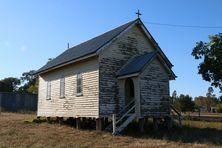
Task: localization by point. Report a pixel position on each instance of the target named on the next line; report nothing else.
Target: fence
(18, 102)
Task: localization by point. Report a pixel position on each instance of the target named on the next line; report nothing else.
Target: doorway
(129, 91)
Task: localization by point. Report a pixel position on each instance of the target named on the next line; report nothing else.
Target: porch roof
(136, 64)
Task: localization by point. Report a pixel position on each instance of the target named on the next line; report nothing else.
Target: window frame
(79, 85)
(62, 87)
(48, 90)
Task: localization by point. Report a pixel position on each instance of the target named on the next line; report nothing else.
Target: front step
(110, 126)
(123, 118)
(127, 115)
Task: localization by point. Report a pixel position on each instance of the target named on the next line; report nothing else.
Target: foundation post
(169, 123)
(99, 124)
(78, 125)
(155, 125)
(60, 120)
(48, 119)
(141, 125)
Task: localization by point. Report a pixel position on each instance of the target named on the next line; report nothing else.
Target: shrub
(219, 108)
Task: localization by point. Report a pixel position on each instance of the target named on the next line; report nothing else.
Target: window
(62, 87)
(48, 91)
(79, 84)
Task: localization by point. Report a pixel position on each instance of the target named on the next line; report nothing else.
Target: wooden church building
(122, 74)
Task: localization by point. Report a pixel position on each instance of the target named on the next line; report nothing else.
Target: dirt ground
(18, 130)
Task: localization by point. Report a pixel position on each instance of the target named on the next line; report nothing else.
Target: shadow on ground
(186, 134)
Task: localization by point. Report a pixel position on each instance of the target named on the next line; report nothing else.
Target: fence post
(199, 112)
(114, 123)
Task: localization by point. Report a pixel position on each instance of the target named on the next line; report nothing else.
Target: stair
(120, 128)
(175, 116)
(121, 120)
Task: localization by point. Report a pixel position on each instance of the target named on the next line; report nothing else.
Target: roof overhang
(65, 64)
(172, 76)
(155, 44)
(128, 76)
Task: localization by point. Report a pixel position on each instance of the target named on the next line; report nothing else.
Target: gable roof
(86, 48)
(155, 44)
(137, 64)
(92, 47)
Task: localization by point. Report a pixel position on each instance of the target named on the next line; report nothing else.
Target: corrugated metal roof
(136, 64)
(86, 48)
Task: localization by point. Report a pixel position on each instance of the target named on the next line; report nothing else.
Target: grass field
(217, 115)
(18, 130)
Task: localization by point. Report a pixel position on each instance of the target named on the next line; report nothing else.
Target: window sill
(62, 97)
(48, 98)
(79, 95)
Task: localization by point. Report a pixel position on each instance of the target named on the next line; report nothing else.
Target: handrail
(178, 113)
(122, 114)
(174, 109)
(125, 114)
(123, 110)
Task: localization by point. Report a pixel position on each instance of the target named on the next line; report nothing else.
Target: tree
(211, 54)
(200, 101)
(210, 92)
(9, 84)
(209, 101)
(220, 99)
(173, 97)
(184, 103)
(30, 82)
(219, 108)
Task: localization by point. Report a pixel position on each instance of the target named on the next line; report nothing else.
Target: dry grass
(219, 115)
(17, 131)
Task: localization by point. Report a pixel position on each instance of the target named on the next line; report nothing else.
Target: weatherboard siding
(71, 105)
(154, 90)
(132, 43)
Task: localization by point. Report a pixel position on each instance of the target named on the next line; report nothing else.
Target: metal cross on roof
(138, 13)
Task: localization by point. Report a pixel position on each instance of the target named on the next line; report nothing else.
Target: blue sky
(33, 31)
